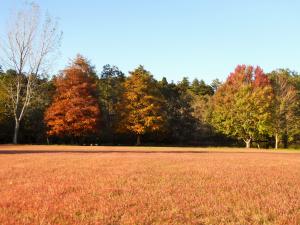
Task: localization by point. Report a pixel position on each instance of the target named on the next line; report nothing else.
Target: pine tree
(111, 88)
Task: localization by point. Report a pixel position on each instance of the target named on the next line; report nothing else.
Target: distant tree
(180, 126)
(27, 50)
(286, 120)
(242, 106)
(6, 119)
(109, 71)
(202, 108)
(184, 84)
(164, 81)
(111, 89)
(34, 129)
(200, 88)
(215, 84)
(141, 104)
(74, 111)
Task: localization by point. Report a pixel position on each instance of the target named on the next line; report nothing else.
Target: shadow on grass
(5, 152)
(12, 152)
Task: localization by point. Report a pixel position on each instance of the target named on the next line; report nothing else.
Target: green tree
(242, 106)
(200, 88)
(180, 126)
(184, 84)
(6, 119)
(111, 89)
(34, 129)
(286, 104)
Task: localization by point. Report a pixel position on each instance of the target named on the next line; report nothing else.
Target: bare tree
(28, 48)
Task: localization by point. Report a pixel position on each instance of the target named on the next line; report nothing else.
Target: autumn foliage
(141, 106)
(242, 106)
(74, 111)
(257, 108)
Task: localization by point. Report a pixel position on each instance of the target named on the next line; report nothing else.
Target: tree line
(81, 106)
(78, 106)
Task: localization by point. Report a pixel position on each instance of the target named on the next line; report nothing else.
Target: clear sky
(175, 38)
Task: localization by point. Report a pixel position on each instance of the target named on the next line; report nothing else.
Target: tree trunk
(285, 140)
(16, 132)
(138, 140)
(248, 143)
(276, 141)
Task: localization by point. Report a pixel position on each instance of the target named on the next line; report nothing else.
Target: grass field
(129, 185)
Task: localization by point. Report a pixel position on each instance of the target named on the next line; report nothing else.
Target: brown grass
(123, 185)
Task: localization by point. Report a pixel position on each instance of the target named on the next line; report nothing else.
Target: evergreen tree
(111, 89)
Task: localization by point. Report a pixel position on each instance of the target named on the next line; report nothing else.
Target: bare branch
(27, 50)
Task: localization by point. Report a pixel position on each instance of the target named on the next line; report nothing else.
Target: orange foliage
(75, 110)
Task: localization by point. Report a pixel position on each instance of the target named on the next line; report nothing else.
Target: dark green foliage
(32, 130)
(180, 124)
(111, 89)
(200, 88)
(6, 120)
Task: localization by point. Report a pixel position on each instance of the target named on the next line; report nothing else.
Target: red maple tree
(248, 75)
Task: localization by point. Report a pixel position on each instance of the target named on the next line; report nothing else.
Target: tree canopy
(141, 104)
(242, 105)
(75, 110)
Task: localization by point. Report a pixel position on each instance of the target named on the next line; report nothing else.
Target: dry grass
(147, 186)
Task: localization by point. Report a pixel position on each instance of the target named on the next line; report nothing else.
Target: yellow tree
(141, 105)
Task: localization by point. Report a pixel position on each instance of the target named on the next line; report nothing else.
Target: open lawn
(130, 185)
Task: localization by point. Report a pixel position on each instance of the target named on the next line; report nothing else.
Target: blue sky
(202, 39)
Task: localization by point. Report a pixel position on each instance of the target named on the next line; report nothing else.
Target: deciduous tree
(27, 49)
(242, 105)
(74, 111)
(285, 117)
(141, 104)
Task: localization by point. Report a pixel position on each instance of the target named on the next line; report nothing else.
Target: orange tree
(74, 111)
(242, 106)
(141, 104)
